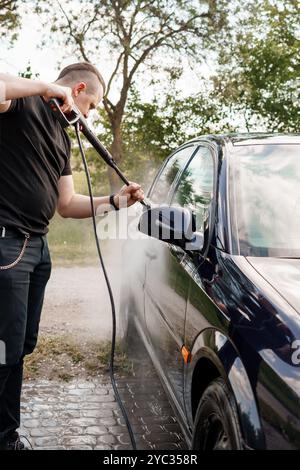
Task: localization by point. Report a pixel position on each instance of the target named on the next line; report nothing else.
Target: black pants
(22, 290)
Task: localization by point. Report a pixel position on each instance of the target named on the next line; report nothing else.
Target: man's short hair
(78, 71)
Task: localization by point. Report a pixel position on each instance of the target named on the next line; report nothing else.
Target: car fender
(214, 347)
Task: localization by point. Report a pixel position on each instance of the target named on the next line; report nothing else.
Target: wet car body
(215, 312)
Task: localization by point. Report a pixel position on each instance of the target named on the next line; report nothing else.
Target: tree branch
(89, 23)
(119, 21)
(159, 42)
(109, 108)
(8, 4)
(114, 73)
(154, 33)
(78, 41)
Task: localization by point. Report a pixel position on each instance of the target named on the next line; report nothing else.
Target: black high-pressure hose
(112, 302)
(75, 118)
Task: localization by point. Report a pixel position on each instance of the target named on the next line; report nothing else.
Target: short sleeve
(14, 106)
(67, 170)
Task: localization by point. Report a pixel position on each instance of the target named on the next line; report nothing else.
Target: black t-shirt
(34, 153)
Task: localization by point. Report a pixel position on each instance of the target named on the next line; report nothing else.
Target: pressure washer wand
(76, 118)
(99, 147)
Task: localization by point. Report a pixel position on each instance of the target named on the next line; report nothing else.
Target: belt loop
(3, 232)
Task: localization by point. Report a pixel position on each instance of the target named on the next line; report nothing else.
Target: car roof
(258, 138)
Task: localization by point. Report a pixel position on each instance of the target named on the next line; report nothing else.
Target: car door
(138, 252)
(167, 284)
(162, 262)
(196, 191)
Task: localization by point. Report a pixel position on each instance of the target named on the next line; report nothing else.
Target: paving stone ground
(83, 414)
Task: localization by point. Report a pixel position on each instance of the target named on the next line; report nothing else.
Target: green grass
(71, 241)
(65, 357)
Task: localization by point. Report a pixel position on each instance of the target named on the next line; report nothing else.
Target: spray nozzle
(76, 118)
(64, 119)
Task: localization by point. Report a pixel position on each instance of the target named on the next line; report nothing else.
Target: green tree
(9, 19)
(28, 73)
(135, 32)
(258, 75)
(151, 131)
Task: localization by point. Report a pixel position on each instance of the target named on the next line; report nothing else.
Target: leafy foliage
(255, 44)
(9, 19)
(133, 31)
(28, 73)
(151, 131)
(258, 73)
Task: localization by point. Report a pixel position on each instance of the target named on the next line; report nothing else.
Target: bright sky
(45, 61)
(25, 49)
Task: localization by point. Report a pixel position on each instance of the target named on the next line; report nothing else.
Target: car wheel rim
(216, 436)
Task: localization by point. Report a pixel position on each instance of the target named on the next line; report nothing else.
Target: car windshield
(266, 197)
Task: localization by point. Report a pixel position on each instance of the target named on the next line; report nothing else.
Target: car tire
(216, 423)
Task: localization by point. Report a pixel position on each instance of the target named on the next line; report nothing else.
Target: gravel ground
(77, 301)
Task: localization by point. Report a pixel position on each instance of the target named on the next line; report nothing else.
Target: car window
(195, 188)
(161, 188)
(266, 199)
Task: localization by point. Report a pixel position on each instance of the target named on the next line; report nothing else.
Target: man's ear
(78, 88)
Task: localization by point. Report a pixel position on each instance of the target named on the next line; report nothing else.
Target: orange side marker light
(186, 354)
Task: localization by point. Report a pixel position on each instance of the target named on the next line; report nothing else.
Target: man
(35, 180)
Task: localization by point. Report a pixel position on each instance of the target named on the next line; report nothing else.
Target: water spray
(75, 118)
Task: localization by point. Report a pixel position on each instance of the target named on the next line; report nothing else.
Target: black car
(214, 292)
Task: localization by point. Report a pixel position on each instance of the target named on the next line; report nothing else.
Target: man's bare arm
(16, 87)
(78, 206)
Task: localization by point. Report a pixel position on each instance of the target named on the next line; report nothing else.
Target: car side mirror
(172, 224)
